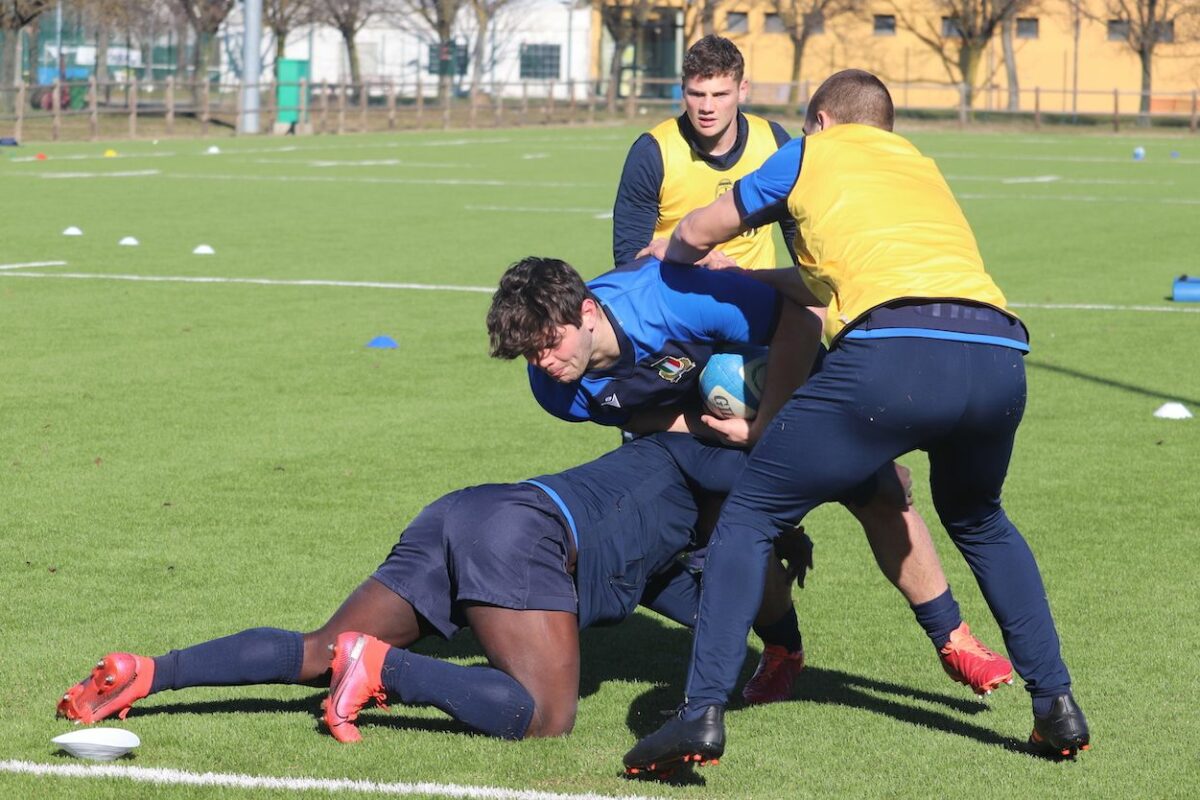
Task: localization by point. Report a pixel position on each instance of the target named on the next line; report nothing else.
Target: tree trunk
(969, 58)
(614, 74)
(708, 18)
(798, 44)
(1146, 55)
(348, 36)
(483, 25)
(10, 50)
(103, 38)
(182, 30)
(1008, 28)
(280, 33)
(34, 30)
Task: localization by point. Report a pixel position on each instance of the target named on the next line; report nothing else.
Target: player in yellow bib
(686, 162)
(924, 355)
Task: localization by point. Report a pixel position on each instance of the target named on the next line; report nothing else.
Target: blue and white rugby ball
(732, 382)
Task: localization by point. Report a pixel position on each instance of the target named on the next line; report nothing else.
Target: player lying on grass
(626, 349)
(524, 565)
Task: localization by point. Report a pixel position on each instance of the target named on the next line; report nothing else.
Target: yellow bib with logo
(690, 182)
(876, 222)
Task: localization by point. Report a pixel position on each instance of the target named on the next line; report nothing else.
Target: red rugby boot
(357, 679)
(117, 682)
(772, 681)
(969, 662)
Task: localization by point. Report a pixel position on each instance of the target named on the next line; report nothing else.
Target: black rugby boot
(679, 742)
(1063, 731)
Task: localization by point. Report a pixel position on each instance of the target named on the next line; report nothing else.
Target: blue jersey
(669, 319)
(631, 511)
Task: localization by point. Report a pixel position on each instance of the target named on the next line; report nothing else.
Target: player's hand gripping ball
(732, 382)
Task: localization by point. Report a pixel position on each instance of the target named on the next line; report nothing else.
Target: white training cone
(72, 231)
(203, 250)
(213, 150)
(1173, 411)
(128, 241)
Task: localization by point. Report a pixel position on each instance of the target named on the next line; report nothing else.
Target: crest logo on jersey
(611, 401)
(672, 368)
(723, 186)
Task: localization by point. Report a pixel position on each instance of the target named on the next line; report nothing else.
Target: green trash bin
(288, 75)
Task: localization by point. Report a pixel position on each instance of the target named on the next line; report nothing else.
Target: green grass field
(184, 459)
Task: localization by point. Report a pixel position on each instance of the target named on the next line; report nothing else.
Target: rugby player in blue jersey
(626, 349)
(524, 565)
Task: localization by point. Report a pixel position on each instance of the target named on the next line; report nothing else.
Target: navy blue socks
(487, 699)
(258, 655)
(939, 617)
(784, 632)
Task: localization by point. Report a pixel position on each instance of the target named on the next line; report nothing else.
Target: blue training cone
(383, 343)
(1186, 289)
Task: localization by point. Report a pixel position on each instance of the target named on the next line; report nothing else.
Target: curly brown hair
(535, 296)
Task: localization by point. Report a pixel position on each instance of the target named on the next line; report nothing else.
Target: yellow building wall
(918, 78)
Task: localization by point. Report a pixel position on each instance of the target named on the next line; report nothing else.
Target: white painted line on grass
(1033, 179)
(597, 212)
(374, 162)
(444, 287)
(405, 181)
(34, 264)
(89, 157)
(1057, 179)
(140, 173)
(1105, 307)
(85, 276)
(1084, 198)
(174, 777)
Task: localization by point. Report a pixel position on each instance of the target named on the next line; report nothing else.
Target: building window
(1166, 31)
(1027, 27)
(773, 23)
(950, 29)
(737, 22)
(450, 59)
(885, 24)
(1118, 30)
(815, 21)
(540, 61)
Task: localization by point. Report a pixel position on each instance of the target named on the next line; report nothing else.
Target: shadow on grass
(1125, 387)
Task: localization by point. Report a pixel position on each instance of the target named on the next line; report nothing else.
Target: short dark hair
(853, 95)
(712, 56)
(535, 296)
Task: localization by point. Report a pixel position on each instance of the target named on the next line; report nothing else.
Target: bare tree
(486, 13)
(436, 20)
(623, 22)
(205, 18)
(803, 18)
(958, 32)
(348, 17)
(14, 16)
(1149, 23)
(283, 17)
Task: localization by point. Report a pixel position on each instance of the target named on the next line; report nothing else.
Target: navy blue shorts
(502, 545)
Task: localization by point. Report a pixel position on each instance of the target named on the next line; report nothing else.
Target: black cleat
(1063, 731)
(679, 742)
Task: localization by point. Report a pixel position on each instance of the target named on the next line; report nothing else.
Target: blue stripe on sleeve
(769, 185)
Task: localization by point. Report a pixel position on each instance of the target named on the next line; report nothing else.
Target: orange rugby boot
(772, 681)
(117, 682)
(969, 662)
(357, 679)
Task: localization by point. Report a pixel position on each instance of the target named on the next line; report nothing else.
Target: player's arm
(669, 420)
(756, 199)
(635, 211)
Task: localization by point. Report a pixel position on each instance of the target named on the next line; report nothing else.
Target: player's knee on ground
(551, 718)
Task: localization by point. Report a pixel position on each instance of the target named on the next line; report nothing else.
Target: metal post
(240, 108)
(252, 74)
(19, 123)
(497, 103)
(56, 110)
(204, 108)
(302, 117)
(93, 116)
(1037, 107)
(324, 116)
(1192, 123)
(133, 106)
(170, 100)
(341, 118)
(363, 100)
(1116, 110)
(549, 109)
(391, 104)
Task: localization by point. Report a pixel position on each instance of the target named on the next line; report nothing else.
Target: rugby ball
(731, 383)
